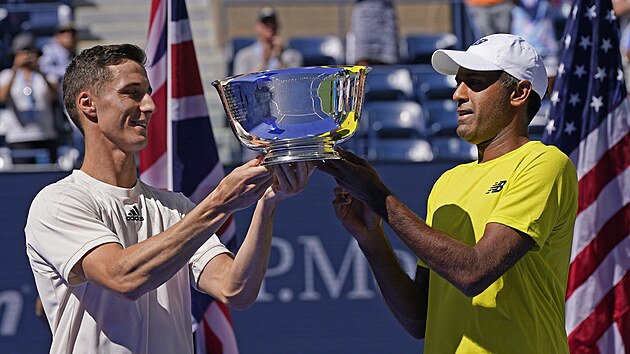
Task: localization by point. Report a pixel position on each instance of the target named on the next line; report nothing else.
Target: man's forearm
(457, 262)
(242, 282)
(403, 297)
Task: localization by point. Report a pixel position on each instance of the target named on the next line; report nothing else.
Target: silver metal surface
(295, 114)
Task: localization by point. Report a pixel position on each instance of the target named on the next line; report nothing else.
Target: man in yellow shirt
(494, 250)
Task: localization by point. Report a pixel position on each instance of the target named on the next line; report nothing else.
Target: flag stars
(555, 97)
(569, 128)
(550, 127)
(597, 103)
(610, 16)
(560, 69)
(574, 99)
(580, 71)
(591, 12)
(600, 74)
(619, 74)
(567, 40)
(606, 45)
(585, 42)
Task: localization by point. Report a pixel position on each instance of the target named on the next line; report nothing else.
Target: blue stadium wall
(319, 295)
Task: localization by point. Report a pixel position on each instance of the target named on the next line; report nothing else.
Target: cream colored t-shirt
(69, 218)
(532, 189)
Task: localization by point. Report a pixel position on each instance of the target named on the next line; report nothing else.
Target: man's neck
(499, 146)
(118, 170)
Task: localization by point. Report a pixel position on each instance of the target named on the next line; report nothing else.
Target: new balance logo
(496, 187)
(134, 214)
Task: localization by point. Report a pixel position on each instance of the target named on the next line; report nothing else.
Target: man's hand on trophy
(356, 216)
(358, 177)
(289, 180)
(242, 187)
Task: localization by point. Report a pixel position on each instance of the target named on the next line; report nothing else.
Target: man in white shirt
(269, 51)
(113, 258)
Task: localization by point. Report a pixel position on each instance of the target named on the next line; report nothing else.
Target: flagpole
(169, 96)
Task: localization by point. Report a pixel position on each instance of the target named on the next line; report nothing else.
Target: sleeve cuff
(66, 272)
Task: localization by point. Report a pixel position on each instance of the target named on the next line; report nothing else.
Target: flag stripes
(609, 166)
(182, 153)
(589, 120)
(153, 159)
(587, 261)
(609, 311)
(597, 142)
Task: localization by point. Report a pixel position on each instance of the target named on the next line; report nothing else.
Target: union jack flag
(589, 120)
(182, 154)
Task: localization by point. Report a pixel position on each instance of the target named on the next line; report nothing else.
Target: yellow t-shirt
(532, 189)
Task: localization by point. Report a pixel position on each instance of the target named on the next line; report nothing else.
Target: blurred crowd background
(408, 116)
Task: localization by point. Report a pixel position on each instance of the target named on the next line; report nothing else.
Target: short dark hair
(268, 17)
(533, 103)
(89, 71)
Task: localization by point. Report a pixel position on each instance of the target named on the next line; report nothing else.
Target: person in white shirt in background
(29, 95)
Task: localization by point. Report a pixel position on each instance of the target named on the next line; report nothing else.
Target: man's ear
(521, 93)
(86, 105)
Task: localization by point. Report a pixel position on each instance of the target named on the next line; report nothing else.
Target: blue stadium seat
(237, 44)
(401, 150)
(397, 131)
(395, 119)
(419, 70)
(433, 85)
(358, 143)
(41, 18)
(420, 47)
(319, 50)
(452, 149)
(389, 83)
(441, 117)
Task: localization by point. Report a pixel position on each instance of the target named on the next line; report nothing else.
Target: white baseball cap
(496, 52)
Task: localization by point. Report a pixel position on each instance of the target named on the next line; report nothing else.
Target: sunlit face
(265, 31)
(67, 39)
(124, 107)
(27, 58)
(482, 105)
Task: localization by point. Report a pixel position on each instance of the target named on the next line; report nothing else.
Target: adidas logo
(478, 42)
(134, 214)
(496, 187)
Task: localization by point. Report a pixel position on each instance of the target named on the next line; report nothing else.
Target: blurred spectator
(622, 11)
(56, 57)
(533, 21)
(269, 51)
(29, 96)
(374, 29)
(57, 54)
(490, 16)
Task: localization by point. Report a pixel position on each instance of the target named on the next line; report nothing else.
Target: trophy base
(296, 150)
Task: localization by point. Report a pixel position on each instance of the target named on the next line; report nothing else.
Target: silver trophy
(295, 114)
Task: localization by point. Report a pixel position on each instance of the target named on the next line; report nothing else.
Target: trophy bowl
(295, 114)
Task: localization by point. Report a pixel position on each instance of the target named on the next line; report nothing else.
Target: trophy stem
(303, 149)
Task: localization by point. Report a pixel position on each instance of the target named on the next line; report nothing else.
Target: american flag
(589, 120)
(182, 154)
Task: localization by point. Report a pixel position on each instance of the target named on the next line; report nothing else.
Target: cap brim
(447, 62)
